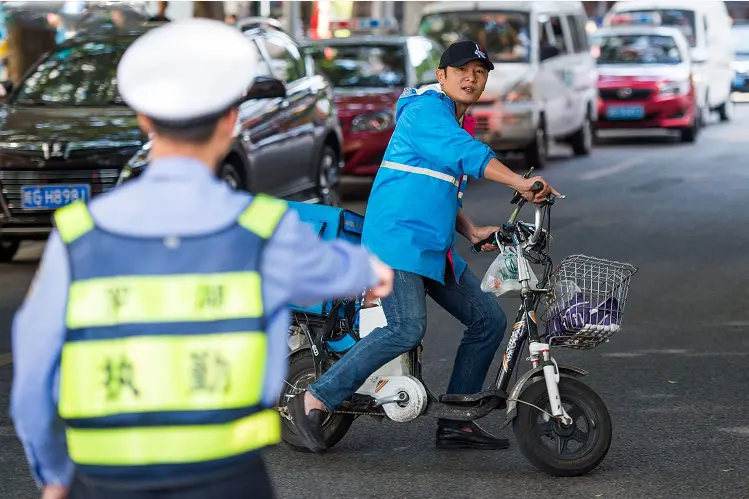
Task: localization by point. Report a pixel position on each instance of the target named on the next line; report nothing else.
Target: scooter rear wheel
(550, 446)
(301, 374)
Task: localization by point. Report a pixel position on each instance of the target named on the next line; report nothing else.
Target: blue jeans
(406, 313)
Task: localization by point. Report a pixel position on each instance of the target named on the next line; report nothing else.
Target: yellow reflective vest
(164, 359)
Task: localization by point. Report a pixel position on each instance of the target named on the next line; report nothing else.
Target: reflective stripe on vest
(149, 373)
(421, 171)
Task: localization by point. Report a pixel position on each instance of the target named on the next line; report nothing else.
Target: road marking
(5, 359)
(739, 430)
(611, 170)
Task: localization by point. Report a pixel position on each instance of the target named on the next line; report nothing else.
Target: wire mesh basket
(585, 303)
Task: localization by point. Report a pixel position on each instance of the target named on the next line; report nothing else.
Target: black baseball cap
(461, 53)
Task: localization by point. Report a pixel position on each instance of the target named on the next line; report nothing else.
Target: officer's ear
(228, 121)
(145, 124)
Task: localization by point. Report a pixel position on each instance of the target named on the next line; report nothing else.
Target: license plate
(50, 197)
(625, 112)
(739, 81)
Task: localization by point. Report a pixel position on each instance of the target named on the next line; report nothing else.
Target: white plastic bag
(502, 276)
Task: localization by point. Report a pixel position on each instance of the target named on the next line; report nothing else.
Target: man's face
(464, 84)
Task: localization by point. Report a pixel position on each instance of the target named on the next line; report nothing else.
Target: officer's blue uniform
(175, 198)
(199, 203)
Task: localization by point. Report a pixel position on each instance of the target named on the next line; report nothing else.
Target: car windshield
(361, 65)
(740, 38)
(682, 19)
(80, 75)
(504, 35)
(638, 49)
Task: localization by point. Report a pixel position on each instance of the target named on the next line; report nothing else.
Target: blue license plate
(625, 112)
(51, 197)
(739, 81)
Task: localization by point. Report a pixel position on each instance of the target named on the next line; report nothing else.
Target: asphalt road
(675, 381)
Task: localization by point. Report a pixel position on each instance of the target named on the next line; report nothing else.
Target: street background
(675, 380)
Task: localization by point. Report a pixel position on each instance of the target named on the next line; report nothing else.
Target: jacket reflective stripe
(421, 171)
(173, 444)
(111, 301)
(261, 217)
(162, 373)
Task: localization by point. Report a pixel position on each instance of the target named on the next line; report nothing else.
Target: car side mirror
(266, 87)
(549, 51)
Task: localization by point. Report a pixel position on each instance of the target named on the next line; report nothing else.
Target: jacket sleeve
(432, 131)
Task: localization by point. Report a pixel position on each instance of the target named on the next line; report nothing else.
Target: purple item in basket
(606, 313)
(577, 313)
(554, 327)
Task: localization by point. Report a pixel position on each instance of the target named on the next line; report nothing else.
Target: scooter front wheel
(557, 449)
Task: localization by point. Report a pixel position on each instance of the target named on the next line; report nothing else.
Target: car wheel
(230, 175)
(582, 140)
(329, 178)
(537, 152)
(8, 250)
(725, 111)
(689, 134)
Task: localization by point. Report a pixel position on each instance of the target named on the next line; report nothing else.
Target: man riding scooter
(411, 220)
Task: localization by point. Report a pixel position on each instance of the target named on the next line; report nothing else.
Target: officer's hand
(54, 492)
(385, 286)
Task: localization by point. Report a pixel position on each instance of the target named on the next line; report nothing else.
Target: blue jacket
(410, 219)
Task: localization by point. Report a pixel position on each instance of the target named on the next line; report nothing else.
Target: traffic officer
(152, 345)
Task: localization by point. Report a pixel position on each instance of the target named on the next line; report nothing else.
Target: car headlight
(520, 92)
(673, 88)
(136, 164)
(373, 122)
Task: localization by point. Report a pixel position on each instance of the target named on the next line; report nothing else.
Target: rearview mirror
(266, 87)
(548, 51)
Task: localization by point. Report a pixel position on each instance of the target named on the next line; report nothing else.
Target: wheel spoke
(544, 430)
(562, 444)
(580, 436)
(575, 413)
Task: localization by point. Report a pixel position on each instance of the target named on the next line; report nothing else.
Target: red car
(645, 81)
(368, 74)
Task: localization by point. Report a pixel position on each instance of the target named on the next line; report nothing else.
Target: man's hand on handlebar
(526, 185)
(482, 233)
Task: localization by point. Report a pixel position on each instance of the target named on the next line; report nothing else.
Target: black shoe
(468, 436)
(308, 426)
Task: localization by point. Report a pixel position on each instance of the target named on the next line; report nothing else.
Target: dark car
(368, 74)
(65, 133)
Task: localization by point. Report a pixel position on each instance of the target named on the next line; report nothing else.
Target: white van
(543, 87)
(707, 26)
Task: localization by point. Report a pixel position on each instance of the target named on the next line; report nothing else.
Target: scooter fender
(523, 382)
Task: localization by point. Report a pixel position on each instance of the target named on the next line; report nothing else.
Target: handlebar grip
(537, 187)
(489, 240)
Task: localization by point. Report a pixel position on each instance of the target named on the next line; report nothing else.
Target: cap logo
(480, 53)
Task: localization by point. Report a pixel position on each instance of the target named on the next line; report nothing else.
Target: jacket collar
(179, 168)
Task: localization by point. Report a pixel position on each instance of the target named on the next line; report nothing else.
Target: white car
(543, 87)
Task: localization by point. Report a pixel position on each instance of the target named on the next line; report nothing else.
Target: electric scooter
(561, 425)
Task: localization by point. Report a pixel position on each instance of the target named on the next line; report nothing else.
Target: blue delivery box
(329, 223)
